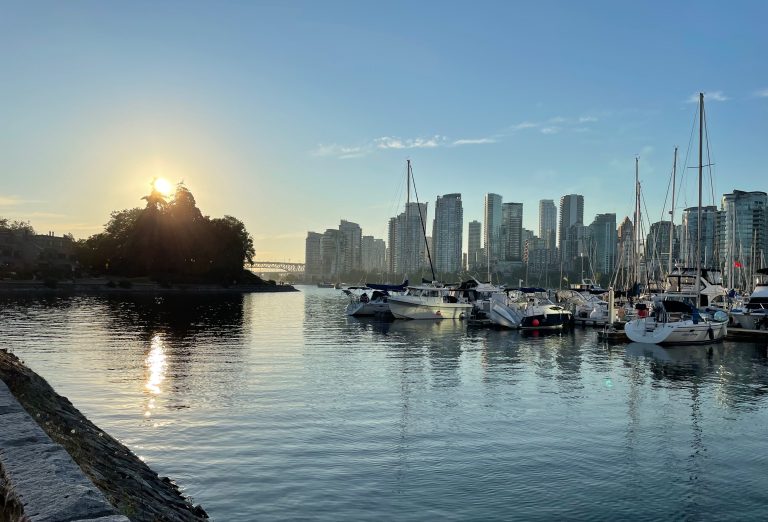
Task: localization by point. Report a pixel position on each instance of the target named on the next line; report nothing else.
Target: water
(278, 407)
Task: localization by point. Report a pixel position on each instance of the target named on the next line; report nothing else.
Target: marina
(280, 406)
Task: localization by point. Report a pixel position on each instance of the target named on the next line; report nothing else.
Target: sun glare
(163, 186)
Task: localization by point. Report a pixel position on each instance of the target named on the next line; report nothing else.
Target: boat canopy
(388, 288)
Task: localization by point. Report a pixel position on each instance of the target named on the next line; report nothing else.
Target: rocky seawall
(128, 484)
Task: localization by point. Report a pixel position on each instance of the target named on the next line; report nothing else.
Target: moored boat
(429, 301)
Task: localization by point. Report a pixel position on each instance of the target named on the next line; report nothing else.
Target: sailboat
(675, 319)
(429, 300)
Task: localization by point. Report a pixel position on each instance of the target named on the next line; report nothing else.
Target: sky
(293, 115)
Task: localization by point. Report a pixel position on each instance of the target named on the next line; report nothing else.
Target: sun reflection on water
(156, 365)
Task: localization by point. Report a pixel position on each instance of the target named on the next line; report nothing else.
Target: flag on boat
(736, 264)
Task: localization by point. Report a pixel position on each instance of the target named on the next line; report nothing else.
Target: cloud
(387, 142)
(525, 125)
(339, 151)
(709, 96)
(762, 93)
(475, 141)
(550, 130)
(10, 201)
(587, 119)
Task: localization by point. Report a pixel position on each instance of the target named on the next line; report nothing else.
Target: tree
(169, 239)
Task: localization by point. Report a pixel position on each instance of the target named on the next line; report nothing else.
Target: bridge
(274, 266)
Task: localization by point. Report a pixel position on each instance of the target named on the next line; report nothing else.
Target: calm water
(278, 407)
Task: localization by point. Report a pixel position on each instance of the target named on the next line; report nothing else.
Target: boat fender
(711, 334)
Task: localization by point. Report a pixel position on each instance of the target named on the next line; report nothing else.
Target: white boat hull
(750, 320)
(504, 316)
(359, 309)
(647, 330)
(407, 307)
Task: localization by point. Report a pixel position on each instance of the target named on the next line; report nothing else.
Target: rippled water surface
(278, 407)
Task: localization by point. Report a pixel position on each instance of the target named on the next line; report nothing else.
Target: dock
(744, 334)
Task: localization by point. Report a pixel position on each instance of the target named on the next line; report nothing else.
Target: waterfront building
(688, 246)
(576, 249)
(474, 246)
(373, 254)
(657, 252)
(492, 232)
(548, 223)
(407, 241)
(331, 253)
(571, 213)
(511, 231)
(448, 234)
(313, 258)
(625, 255)
(351, 256)
(742, 241)
(602, 241)
(21, 250)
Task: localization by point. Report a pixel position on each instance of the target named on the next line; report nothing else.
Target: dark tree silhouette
(170, 240)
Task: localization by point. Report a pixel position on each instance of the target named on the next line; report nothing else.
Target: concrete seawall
(57, 465)
(40, 481)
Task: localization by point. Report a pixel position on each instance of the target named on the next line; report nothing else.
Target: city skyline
(291, 117)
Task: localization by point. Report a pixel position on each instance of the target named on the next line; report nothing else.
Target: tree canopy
(169, 239)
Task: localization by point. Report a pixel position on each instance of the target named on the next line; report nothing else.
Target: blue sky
(294, 115)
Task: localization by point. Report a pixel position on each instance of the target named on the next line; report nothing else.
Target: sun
(163, 186)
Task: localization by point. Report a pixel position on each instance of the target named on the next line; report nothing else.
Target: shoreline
(127, 483)
(117, 286)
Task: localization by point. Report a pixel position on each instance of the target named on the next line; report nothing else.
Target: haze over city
(293, 116)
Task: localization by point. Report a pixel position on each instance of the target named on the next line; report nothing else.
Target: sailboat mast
(672, 213)
(698, 227)
(407, 250)
(636, 256)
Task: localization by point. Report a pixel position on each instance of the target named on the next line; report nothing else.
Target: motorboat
(430, 301)
(540, 313)
(371, 299)
(753, 315)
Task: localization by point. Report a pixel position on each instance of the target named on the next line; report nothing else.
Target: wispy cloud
(10, 201)
(710, 96)
(552, 125)
(524, 125)
(762, 93)
(473, 141)
(339, 151)
(388, 142)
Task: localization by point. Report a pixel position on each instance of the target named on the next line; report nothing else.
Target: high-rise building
(331, 247)
(548, 223)
(511, 231)
(571, 213)
(625, 256)
(492, 233)
(688, 241)
(313, 260)
(657, 253)
(602, 242)
(474, 246)
(448, 233)
(742, 241)
(407, 243)
(373, 254)
(351, 258)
